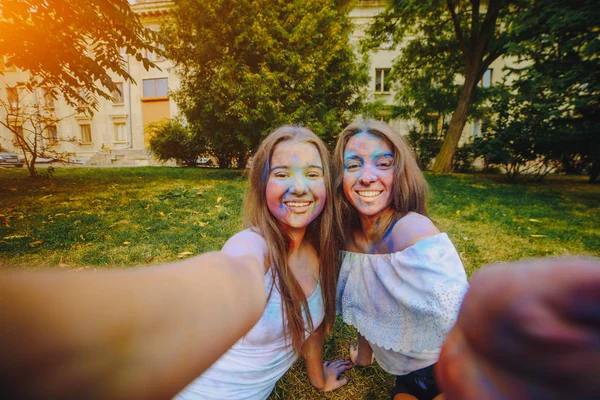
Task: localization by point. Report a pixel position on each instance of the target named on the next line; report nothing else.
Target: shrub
(426, 146)
(172, 140)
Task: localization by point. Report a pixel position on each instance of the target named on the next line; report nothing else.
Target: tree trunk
(443, 161)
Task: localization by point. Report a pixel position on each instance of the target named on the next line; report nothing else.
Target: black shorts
(420, 383)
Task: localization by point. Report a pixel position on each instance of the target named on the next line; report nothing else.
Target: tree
(172, 140)
(33, 126)
(248, 66)
(441, 41)
(73, 48)
(521, 136)
(561, 79)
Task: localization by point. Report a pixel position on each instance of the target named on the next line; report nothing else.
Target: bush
(464, 158)
(426, 146)
(171, 140)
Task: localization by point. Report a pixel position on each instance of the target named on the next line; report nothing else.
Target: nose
(367, 176)
(299, 186)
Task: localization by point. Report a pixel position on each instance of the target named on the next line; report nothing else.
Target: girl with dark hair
(401, 281)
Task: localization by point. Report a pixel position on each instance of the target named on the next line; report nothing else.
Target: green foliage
(464, 157)
(250, 66)
(442, 43)
(520, 138)
(561, 82)
(425, 145)
(73, 47)
(171, 140)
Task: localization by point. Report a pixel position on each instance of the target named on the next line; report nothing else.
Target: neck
(375, 227)
(297, 237)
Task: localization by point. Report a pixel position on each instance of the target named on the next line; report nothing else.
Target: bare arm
(322, 375)
(528, 329)
(142, 333)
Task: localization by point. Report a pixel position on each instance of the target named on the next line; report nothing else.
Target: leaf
(203, 234)
(537, 236)
(36, 243)
(201, 224)
(46, 197)
(185, 254)
(162, 214)
(62, 265)
(219, 199)
(534, 220)
(126, 243)
(149, 259)
(16, 237)
(457, 212)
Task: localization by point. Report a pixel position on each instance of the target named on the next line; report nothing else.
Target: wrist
(318, 382)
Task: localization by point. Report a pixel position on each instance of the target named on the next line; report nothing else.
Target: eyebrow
(288, 167)
(390, 155)
(352, 157)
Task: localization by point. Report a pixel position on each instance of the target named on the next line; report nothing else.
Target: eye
(313, 174)
(352, 166)
(281, 174)
(385, 163)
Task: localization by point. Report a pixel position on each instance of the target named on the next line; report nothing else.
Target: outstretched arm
(529, 329)
(322, 375)
(141, 333)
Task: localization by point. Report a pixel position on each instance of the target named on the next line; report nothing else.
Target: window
(4, 66)
(152, 56)
(480, 127)
(486, 79)
(382, 80)
(118, 94)
(155, 87)
(86, 133)
(120, 132)
(388, 42)
(52, 133)
(48, 98)
(18, 131)
(83, 101)
(12, 96)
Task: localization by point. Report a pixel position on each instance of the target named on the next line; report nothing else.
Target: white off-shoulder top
(403, 303)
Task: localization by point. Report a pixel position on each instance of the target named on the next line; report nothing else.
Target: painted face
(368, 174)
(296, 191)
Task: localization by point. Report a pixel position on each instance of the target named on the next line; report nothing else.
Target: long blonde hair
(409, 190)
(322, 233)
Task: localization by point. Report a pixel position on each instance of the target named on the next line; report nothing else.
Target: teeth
(297, 203)
(369, 193)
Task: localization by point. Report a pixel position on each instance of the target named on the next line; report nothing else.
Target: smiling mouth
(298, 204)
(369, 193)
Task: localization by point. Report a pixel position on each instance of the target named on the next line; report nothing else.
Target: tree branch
(457, 29)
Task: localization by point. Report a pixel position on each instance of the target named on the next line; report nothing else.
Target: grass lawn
(96, 218)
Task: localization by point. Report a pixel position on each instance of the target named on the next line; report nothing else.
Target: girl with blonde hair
(291, 231)
(401, 280)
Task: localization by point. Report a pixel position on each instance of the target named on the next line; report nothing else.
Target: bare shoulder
(410, 229)
(247, 243)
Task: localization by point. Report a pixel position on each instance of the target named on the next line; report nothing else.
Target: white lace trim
(405, 301)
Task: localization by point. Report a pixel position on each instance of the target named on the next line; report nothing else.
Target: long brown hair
(322, 233)
(409, 190)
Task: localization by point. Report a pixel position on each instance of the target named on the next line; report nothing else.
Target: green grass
(99, 218)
